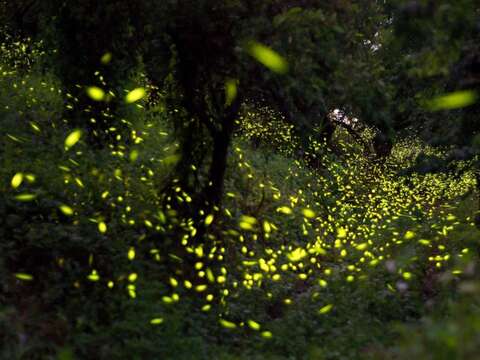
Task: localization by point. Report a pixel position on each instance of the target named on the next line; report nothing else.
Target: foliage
(218, 210)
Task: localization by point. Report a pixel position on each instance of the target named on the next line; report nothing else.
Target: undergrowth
(342, 260)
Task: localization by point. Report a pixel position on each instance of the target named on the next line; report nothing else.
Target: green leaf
(65, 354)
(268, 57)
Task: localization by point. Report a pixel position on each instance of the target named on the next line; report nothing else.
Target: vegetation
(239, 179)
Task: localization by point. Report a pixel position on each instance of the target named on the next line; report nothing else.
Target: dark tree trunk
(382, 145)
(218, 167)
(211, 197)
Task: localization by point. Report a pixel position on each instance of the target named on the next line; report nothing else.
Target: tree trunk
(218, 167)
(211, 197)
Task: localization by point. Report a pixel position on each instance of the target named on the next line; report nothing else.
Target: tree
(430, 49)
(97, 44)
(210, 45)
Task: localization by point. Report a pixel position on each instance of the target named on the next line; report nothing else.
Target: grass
(344, 261)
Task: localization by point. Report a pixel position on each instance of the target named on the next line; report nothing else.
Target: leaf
(268, 57)
(65, 354)
(454, 100)
(73, 138)
(171, 160)
(135, 95)
(95, 93)
(281, 18)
